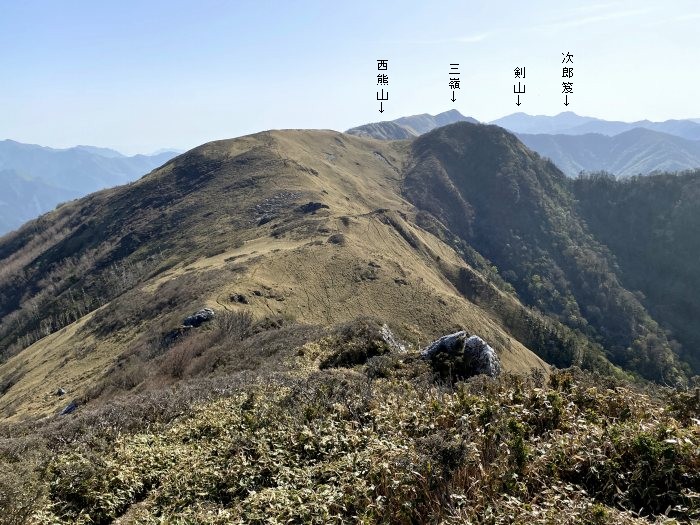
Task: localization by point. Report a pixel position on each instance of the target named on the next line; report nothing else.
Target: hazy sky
(142, 75)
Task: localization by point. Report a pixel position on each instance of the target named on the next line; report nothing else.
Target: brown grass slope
(224, 226)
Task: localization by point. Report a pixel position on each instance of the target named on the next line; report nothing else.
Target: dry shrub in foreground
(337, 447)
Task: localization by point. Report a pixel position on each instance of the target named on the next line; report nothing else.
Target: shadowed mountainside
(518, 211)
(652, 224)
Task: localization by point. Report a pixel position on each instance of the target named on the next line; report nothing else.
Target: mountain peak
(408, 127)
(450, 112)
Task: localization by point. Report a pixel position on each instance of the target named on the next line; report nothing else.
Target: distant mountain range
(575, 143)
(569, 123)
(634, 152)
(35, 178)
(409, 127)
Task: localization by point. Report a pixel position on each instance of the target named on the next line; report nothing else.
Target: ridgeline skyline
(140, 77)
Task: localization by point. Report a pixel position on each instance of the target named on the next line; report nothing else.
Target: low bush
(335, 447)
(354, 343)
(235, 325)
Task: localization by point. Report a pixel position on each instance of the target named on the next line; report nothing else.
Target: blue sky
(142, 75)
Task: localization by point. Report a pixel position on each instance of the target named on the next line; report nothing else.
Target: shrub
(21, 491)
(235, 325)
(354, 343)
(177, 360)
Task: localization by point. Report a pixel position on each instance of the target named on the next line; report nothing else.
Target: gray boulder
(460, 356)
(199, 317)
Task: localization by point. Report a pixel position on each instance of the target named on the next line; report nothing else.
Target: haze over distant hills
(576, 143)
(569, 123)
(35, 178)
(634, 152)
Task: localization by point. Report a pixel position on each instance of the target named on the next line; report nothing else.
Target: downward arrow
(566, 102)
(453, 96)
(518, 102)
(381, 109)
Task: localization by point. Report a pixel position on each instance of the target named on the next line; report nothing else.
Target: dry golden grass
(386, 267)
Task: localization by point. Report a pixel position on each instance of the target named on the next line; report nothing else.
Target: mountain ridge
(556, 270)
(566, 140)
(462, 228)
(569, 123)
(135, 246)
(409, 127)
(633, 152)
(319, 265)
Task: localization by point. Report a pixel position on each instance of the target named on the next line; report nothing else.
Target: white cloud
(471, 39)
(468, 39)
(573, 19)
(686, 18)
